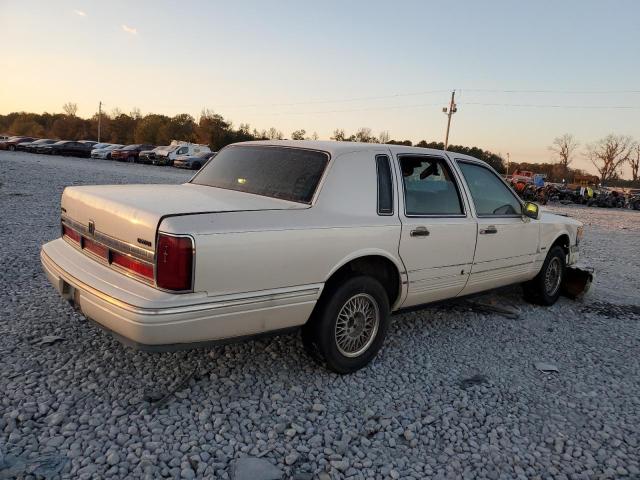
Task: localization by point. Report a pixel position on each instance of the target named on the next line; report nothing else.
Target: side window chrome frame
(499, 177)
(456, 184)
(381, 160)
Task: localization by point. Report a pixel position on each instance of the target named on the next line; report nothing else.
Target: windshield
(61, 142)
(130, 147)
(166, 148)
(278, 172)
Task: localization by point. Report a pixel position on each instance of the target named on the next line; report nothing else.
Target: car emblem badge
(92, 228)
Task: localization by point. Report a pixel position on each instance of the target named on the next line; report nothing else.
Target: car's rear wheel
(545, 288)
(12, 148)
(349, 324)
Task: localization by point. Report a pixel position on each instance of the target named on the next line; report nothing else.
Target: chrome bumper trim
(247, 299)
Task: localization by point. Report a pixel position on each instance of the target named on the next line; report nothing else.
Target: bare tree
(564, 148)
(634, 161)
(70, 108)
(384, 137)
(364, 135)
(135, 113)
(298, 134)
(314, 136)
(338, 135)
(609, 153)
(273, 134)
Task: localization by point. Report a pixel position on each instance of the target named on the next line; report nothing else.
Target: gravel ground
(453, 394)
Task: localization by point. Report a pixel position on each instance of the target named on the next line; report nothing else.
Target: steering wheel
(506, 209)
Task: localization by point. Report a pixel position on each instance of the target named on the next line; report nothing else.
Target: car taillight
(129, 263)
(71, 233)
(174, 262)
(96, 248)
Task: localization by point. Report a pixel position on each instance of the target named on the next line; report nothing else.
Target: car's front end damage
(578, 276)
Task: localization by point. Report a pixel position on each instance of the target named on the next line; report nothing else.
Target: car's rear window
(279, 172)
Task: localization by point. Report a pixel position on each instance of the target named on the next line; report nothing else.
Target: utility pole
(449, 112)
(508, 161)
(99, 119)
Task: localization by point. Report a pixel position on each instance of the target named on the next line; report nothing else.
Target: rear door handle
(420, 232)
(491, 229)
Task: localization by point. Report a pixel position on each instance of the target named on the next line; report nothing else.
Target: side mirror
(531, 210)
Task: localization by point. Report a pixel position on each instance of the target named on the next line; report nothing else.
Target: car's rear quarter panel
(271, 249)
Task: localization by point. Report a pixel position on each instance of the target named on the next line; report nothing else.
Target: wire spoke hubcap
(357, 325)
(553, 276)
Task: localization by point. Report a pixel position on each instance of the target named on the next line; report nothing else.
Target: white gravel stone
(262, 410)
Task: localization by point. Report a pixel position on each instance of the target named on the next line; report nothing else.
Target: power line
(424, 105)
(366, 109)
(572, 92)
(341, 100)
(533, 105)
(429, 92)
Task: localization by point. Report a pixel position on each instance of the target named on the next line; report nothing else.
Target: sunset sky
(524, 72)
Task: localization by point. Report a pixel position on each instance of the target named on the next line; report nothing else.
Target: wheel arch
(378, 264)
(564, 241)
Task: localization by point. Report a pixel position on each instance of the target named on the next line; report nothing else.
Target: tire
(545, 288)
(359, 305)
(636, 205)
(12, 148)
(196, 166)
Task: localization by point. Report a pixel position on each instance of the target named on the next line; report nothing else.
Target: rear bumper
(151, 319)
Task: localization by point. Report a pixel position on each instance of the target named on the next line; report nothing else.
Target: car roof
(335, 148)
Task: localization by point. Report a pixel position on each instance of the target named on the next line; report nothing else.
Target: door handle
(420, 232)
(491, 229)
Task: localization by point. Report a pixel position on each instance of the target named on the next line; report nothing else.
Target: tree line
(128, 128)
(608, 155)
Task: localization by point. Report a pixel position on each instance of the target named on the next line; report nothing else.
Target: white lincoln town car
(328, 236)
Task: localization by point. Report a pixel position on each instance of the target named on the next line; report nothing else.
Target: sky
(524, 72)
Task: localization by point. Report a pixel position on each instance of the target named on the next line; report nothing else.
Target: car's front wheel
(545, 288)
(349, 324)
(12, 148)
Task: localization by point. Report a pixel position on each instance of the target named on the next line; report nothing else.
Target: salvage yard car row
(179, 154)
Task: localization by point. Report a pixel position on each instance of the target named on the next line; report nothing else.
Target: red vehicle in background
(11, 142)
(130, 152)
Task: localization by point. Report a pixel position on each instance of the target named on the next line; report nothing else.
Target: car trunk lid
(132, 213)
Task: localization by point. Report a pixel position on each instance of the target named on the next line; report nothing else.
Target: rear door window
(429, 187)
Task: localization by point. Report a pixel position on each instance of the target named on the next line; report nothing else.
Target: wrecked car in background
(328, 236)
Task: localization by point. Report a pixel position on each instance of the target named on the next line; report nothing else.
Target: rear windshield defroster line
(287, 173)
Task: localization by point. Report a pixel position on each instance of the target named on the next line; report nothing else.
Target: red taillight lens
(133, 265)
(95, 248)
(71, 233)
(174, 262)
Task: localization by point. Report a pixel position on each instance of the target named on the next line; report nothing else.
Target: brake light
(174, 262)
(95, 248)
(71, 233)
(136, 266)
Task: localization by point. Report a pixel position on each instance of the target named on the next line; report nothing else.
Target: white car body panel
(261, 263)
